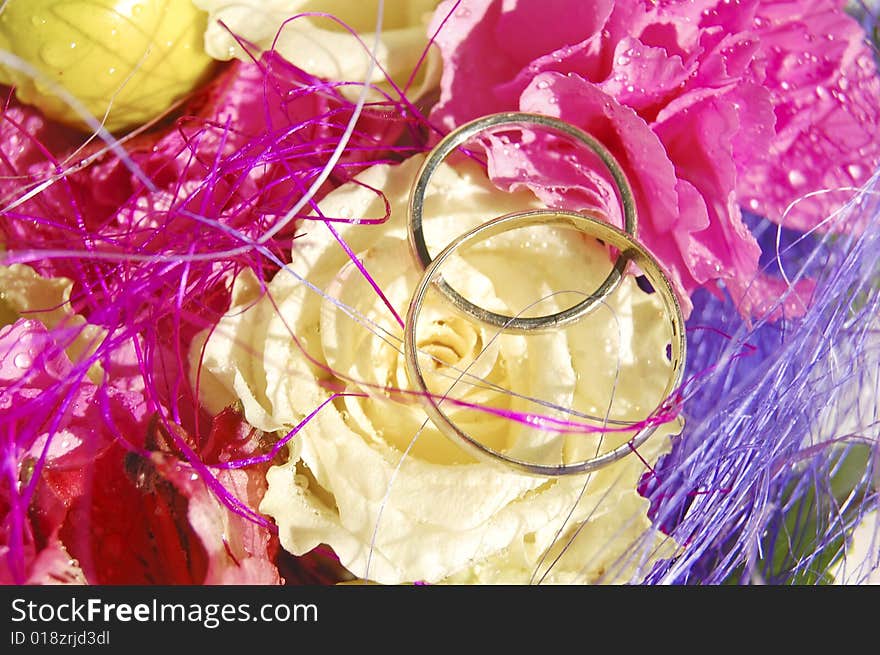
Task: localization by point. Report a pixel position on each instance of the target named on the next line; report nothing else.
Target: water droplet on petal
(22, 361)
(856, 172)
(796, 178)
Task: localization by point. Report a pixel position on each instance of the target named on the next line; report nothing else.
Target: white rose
(861, 563)
(440, 515)
(323, 47)
(855, 410)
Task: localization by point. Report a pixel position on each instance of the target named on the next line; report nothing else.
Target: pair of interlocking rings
(628, 249)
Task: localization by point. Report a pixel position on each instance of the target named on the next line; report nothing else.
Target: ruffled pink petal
(472, 62)
(698, 140)
(644, 77)
(826, 98)
(237, 548)
(55, 424)
(51, 565)
(662, 214)
(757, 103)
(527, 29)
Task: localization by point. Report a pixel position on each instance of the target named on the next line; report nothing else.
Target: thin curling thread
(778, 397)
(126, 262)
(343, 142)
(727, 472)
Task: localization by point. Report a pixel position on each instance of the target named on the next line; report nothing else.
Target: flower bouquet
(471, 291)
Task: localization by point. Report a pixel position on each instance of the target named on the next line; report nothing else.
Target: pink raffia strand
(88, 495)
(708, 105)
(152, 243)
(52, 420)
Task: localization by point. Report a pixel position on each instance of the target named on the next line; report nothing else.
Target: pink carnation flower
(708, 106)
(80, 503)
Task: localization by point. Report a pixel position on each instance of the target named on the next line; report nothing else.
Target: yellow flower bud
(131, 58)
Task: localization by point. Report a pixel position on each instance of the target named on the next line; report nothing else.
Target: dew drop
(543, 84)
(796, 178)
(22, 361)
(856, 172)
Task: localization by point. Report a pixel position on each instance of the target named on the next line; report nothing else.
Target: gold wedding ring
(464, 134)
(628, 251)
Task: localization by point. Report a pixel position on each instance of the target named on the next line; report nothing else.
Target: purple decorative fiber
(755, 487)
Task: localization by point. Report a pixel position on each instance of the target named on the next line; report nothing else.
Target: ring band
(629, 251)
(462, 135)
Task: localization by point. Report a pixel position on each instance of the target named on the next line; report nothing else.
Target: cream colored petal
(438, 514)
(322, 46)
(26, 294)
